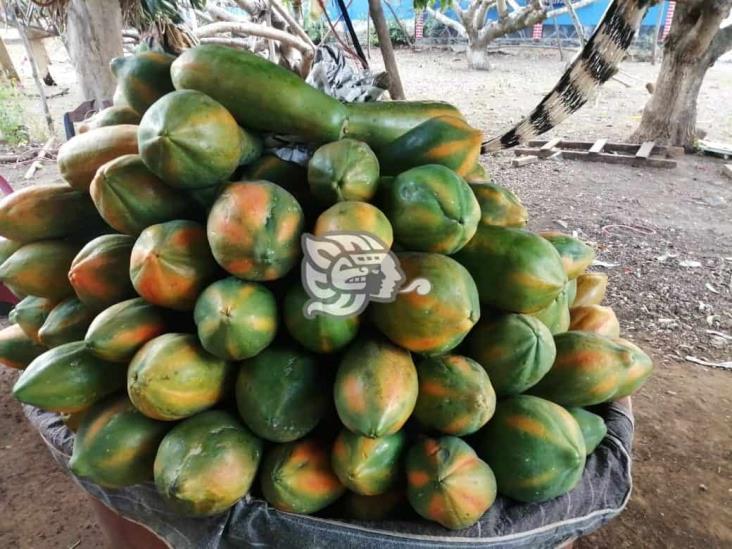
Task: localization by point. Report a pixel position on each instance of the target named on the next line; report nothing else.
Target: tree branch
(448, 22)
(254, 29)
(294, 26)
(479, 19)
(576, 5)
(721, 44)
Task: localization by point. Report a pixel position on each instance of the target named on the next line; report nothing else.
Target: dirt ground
(667, 236)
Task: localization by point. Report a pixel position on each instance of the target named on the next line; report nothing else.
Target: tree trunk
(396, 91)
(694, 44)
(93, 38)
(6, 64)
(478, 57)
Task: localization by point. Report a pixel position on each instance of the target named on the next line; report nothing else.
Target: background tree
(481, 31)
(696, 41)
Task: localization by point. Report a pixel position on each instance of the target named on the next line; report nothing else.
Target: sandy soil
(683, 489)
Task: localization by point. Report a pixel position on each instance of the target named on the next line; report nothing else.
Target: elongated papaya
(7, 248)
(17, 350)
(67, 322)
(246, 91)
(111, 116)
(499, 206)
(40, 269)
(576, 255)
(31, 313)
(142, 78)
(81, 156)
(591, 289)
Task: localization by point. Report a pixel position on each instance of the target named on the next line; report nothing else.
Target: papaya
(535, 448)
(355, 217)
(171, 264)
(172, 377)
(478, 174)
(67, 322)
(343, 170)
(499, 207)
(576, 255)
(591, 369)
(119, 331)
(235, 319)
(115, 445)
(296, 109)
(374, 508)
(455, 395)
(17, 350)
(431, 209)
(73, 420)
(206, 464)
(556, 315)
(254, 230)
(375, 388)
(279, 394)
(592, 426)
(571, 289)
(189, 140)
(142, 78)
(367, 466)
(68, 379)
(515, 350)
(111, 116)
(292, 177)
(131, 198)
(297, 477)
(8, 247)
(205, 197)
(31, 313)
(45, 211)
(40, 269)
(99, 272)
(591, 289)
(322, 333)
(252, 146)
(595, 318)
(514, 270)
(445, 140)
(81, 156)
(448, 483)
(378, 123)
(436, 322)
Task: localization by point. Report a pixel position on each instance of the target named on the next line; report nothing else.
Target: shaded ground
(683, 492)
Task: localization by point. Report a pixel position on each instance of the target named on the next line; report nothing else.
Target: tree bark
(694, 44)
(396, 91)
(93, 38)
(478, 57)
(6, 64)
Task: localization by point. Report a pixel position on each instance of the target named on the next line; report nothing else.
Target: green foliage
(12, 128)
(398, 38)
(169, 9)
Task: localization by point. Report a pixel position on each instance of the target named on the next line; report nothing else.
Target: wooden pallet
(646, 154)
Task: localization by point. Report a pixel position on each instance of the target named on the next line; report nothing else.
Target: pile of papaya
(163, 311)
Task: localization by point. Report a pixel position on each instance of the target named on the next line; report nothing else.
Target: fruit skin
(571, 289)
(448, 483)
(40, 269)
(115, 445)
(99, 272)
(142, 78)
(432, 209)
(516, 351)
(8, 247)
(172, 377)
(556, 315)
(297, 108)
(372, 508)
(375, 388)
(119, 331)
(171, 263)
(254, 230)
(111, 116)
(353, 216)
(235, 319)
(206, 464)
(499, 207)
(595, 318)
(279, 394)
(343, 170)
(68, 379)
(81, 156)
(321, 334)
(592, 426)
(478, 174)
(378, 123)
(455, 395)
(445, 140)
(576, 255)
(131, 198)
(515, 270)
(17, 350)
(590, 369)
(535, 448)
(434, 323)
(367, 466)
(288, 175)
(31, 313)
(591, 289)
(45, 211)
(297, 477)
(67, 322)
(189, 140)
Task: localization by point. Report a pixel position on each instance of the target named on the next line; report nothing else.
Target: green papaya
(367, 466)
(499, 207)
(592, 426)
(478, 174)
(111, 116)
(17, 350)
(576, 255)
(40, 269)
(31, 313)
(67, 322)
(556, 315)
(142, 78)
(343, 170)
